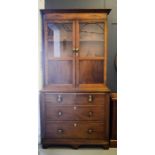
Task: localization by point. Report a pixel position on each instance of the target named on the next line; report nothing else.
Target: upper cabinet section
(75, 48)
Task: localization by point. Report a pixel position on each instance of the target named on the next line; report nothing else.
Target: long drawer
(75, 112)
(75, 129)
(76, 98)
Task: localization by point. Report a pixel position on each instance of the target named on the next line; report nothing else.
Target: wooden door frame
(105, 50)
(45, 67)
(77, 53)
(77, 56)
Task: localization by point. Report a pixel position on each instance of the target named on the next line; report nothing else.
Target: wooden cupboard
(75, 100)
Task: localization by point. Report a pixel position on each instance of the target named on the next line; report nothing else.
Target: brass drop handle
(59, 98)
(90, 113)
(90, 131)
(60, 131)
(59, 113)
(90, 98)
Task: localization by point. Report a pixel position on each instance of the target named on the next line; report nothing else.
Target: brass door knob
(77, 49)
(74, 49)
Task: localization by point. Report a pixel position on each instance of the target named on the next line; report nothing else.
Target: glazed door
(90, 53)
(59, 55)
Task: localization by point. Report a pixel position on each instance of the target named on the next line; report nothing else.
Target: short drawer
(94, 113)
(76, 98)
(73, 129)
(92, 98)
(59, 99)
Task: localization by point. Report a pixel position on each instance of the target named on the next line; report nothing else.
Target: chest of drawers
(75, 118)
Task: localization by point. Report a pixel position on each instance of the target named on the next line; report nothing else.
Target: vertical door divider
(77, 55)
(73, 50)
(46, 51)
(105, 50)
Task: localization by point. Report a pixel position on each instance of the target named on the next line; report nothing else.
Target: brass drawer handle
(59, 113)
(90, 131)
(90, 113)
(75, 125)
(90, 98)
(59, 98)
(60, 130)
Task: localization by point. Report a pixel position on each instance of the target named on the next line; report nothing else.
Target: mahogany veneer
(75, 101)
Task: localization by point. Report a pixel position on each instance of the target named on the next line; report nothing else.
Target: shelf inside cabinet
(91, 58)
(60, 58)
(61, 41)
(51, 40)
(92, 40)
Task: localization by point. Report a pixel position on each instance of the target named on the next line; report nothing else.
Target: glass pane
(91, 39)
(91, 72)
(59, 40)
(60, 72)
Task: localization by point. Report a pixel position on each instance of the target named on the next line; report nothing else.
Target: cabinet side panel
(42, 115)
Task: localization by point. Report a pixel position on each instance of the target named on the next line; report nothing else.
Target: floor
(80, 151)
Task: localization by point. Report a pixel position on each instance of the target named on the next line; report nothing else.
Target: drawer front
(74, 129)
(76, 98)
(59, 99)
(91, 99)
(74, 113)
